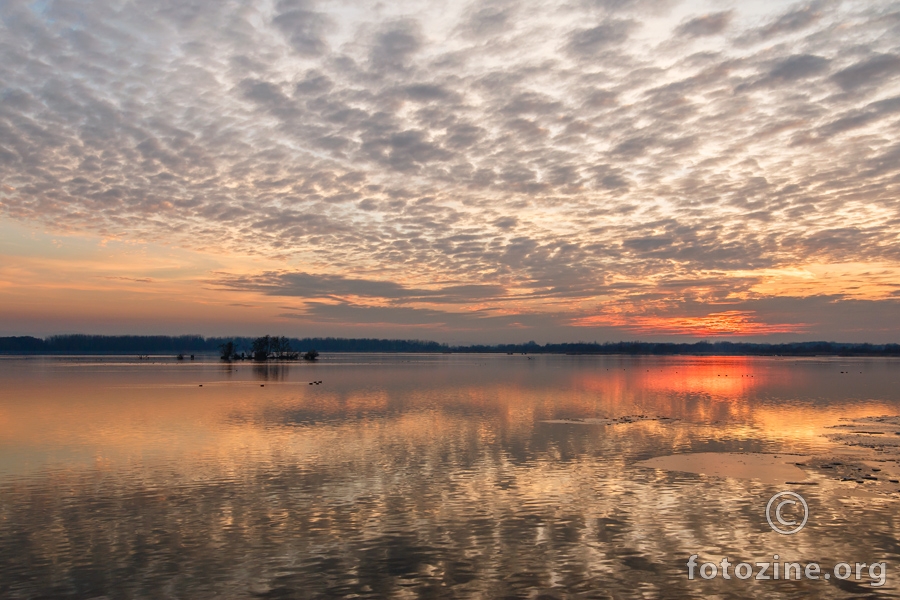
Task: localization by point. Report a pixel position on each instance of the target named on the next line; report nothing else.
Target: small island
(267, 347)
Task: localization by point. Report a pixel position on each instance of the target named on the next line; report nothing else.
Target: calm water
(420, 476)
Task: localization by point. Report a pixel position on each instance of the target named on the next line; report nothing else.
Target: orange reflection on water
(125, 413)
(805, 422)
(717, 377)
(385, 477)
(664, 386)
(730, 377)
(728, 390)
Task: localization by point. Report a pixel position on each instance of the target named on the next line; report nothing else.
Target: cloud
(876, 70)
(649, 6)
(588, 42)
(862, 117)
(798, 68)
(306, 285)
(302, 27)
(555, 158)
(730, 323)
(506, 222)
(377, 315)
(490, 20)
(396, 44)
(404, 150)
(819, 317)
(790, 22)
(705, 25)
(131, 279)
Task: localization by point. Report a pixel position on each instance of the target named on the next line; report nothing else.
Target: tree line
(187, 344)
(284, 348)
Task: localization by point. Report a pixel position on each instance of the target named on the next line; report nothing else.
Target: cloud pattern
(597, 162)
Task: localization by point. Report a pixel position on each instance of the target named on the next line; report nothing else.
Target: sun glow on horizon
(726, 323)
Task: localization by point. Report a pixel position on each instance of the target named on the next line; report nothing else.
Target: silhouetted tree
(280, 346)
(227, 350)
(271, 347)
(311, 355)
(261, 348)
(286, 352)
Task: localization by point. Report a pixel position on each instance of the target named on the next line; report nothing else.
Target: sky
(572, 170)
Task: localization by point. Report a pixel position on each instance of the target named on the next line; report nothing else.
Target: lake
(443, 476)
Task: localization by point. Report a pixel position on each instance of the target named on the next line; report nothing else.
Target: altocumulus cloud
(565, 160)
(306, 285)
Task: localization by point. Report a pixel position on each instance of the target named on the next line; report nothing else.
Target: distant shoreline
(62, 345)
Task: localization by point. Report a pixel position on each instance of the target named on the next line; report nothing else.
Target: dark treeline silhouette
(108, 344)
(696, 348)
(138, 344)
(161, 344)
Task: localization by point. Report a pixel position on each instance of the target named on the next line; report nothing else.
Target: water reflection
(437, 477)
(269, 371)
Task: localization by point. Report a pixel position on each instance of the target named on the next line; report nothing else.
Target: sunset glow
(728, 323)
(590, 170)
